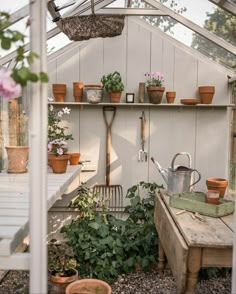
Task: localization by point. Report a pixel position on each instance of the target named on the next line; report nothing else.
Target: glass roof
(203, 13)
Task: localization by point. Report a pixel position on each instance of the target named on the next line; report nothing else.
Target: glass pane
(206, 15)
(192, 39)
(11, 6)
(57, 42)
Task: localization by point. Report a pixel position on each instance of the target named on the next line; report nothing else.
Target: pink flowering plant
(12, 81)
(154, 79)
(58, 147)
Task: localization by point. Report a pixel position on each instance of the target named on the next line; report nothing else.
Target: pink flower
(60, 151)
(8, 87)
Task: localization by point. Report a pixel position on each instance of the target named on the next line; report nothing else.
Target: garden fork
(142, 156)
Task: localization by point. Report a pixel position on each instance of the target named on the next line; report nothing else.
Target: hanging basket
(84, 27)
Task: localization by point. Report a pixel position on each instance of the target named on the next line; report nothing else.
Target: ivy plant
(105, 246)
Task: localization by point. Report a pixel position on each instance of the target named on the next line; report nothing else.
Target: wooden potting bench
(189, 243)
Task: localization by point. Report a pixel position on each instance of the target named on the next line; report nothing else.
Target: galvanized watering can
(177, 177)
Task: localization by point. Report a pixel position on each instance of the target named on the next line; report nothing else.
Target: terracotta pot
(206, 94)
(170, 96)
(217, 184)
(58, 284)
(155, 94)
(78, 91)
(74, 158)
(115, 97)
(59, 92)
(17, 159)
(88, 286)
(59, 163)
(212, 196)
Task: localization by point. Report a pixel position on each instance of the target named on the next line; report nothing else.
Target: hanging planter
(155, 94)
(206, 94)
(59, 163)
(59, 92)
(17, 159)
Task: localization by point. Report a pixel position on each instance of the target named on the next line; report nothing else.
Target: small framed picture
(129, 97)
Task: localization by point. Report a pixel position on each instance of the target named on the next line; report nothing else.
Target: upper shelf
(140, 104)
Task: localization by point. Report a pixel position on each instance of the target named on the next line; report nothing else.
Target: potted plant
(155, 89)
(61, 264)
(113, 85)
(57, 139)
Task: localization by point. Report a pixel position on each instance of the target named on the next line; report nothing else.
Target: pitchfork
(142, 155)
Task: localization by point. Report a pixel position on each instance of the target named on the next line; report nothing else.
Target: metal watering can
(177, 177)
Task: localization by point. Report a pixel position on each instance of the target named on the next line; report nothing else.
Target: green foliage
(60, 259)
(21, 73)
(105, 246)
(113, 82)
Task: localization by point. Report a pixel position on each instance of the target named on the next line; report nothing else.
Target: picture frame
(129, 97)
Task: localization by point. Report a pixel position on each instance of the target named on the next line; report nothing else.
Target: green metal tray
(195, 202)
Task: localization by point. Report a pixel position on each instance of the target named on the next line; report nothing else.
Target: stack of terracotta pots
(217, 184)
(59, 92)
(78, 91)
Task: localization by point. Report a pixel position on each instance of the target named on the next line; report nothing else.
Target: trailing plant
(106, 246)
(61, 261)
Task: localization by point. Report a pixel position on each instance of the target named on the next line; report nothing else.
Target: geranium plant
(58, 147)
(154, 79)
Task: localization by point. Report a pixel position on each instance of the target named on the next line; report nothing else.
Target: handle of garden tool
(108, 139)
(199, 178)
(143, 126)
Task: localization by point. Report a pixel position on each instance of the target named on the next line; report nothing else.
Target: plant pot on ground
(88, 286)
(61, 266)
(59, 92)
(113, 85)
(206, 94)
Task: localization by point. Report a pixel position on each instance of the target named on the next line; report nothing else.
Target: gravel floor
(16, 282)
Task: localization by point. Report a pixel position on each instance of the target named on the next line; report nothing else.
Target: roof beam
(19, 14)
(191, 25)
(226, 5)
(131, 11)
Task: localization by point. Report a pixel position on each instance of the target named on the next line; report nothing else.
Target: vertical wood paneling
(138, 56)
(52, 73)
(168, 56)
(185, 75)
(171, 131)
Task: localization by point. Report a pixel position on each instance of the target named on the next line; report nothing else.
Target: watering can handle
(199, 177)
(181, 153)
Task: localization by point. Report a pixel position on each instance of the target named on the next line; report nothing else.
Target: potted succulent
(113, 85)
(155, 89)
(61, 264)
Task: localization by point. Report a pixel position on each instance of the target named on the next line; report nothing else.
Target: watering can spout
(162, 171)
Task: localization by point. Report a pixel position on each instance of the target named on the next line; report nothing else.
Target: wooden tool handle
(108, 155)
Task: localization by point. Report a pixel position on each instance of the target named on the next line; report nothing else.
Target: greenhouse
(118, 146)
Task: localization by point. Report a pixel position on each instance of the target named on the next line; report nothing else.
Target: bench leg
(161, 257)
(194, 265)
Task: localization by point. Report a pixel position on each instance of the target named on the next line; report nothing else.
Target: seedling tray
(195, 202)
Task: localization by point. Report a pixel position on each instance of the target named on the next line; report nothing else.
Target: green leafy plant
(106, 246)
(21, 73)
(61, 261)
(113, 82)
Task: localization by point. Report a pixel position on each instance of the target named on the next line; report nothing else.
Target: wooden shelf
(82, 104)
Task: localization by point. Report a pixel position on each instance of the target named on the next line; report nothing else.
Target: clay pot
(17, 159)
(59, 163)
(217, 184)
(212, 196)
(58, 284)
(115, 97)
(170, 96)
(59, 92)
(155, 94)
(78, 91)
(74, 158)
(206, 94)
(88, 286)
